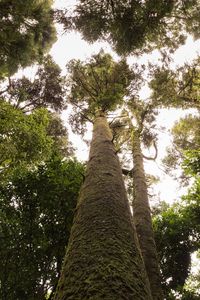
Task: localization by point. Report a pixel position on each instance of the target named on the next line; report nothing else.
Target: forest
(108, 227)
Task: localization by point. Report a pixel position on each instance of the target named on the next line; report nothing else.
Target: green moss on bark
(103, 260)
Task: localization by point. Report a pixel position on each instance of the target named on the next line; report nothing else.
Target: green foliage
(100, 81)
(46, 90)
(186, 136)
(179, 88)
(59, 134)
(144, 114)
(38, 189)
(27, 31)
(23, 138)
(177, 234)
(192, 286)
(37, 208)
(186, 132)
(174, 247)
(28, 132)
(192, 162)
(29, 139)
(98, 85)
(134, 25)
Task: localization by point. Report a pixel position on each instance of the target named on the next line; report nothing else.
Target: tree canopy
(99, 84)
(185, 136)
(177, 88)
(27, 32)
(135, 26)
(46, 89)
(177, 234)
(23, 137)
(37, 208)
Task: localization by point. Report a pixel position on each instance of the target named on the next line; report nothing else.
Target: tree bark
(103, 260)
(143, 222)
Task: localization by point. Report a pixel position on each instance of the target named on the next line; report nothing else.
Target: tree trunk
(103, 260)
(143, 222)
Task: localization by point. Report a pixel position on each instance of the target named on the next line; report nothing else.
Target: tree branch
(95, 78)
(89, 88)
(156, 153)
(82, 114)
(127, 172)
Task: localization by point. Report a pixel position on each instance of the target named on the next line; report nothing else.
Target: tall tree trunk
(143, 222)
(103, 260)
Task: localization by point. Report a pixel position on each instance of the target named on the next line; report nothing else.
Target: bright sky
(71, 45)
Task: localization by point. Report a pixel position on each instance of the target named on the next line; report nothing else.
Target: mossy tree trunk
(143, 222)
(103, 260)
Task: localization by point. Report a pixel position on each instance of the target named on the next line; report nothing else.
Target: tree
(134, 26)
(185, 134)
(27, 32)
(29, 132)
(46, 90)
(136, 131)
(38, 190)
(141, 210)
(37, 208)
(103, 258)
(177, 235)
(24, 138)
(179, 88)
(59, 134)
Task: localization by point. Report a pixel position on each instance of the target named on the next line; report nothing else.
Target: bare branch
(127, 172)
(8, 87)
(156, 153)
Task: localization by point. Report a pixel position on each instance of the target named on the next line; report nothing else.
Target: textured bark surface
(103, 260)
(142, 219)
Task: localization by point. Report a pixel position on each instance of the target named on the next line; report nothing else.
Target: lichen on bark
(103, 260)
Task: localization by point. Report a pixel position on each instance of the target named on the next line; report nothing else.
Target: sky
(71, 45)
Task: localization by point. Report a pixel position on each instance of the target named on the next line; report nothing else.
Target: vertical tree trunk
(103, 260)
(143, 222)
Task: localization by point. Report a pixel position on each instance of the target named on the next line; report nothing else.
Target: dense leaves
(28, 132)
(98, 85)
(29, 139)
(36, 214)
(23, 138)
(191, 162)
(179, 88)
(46, 90)
(134, 25)
(26, 33)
